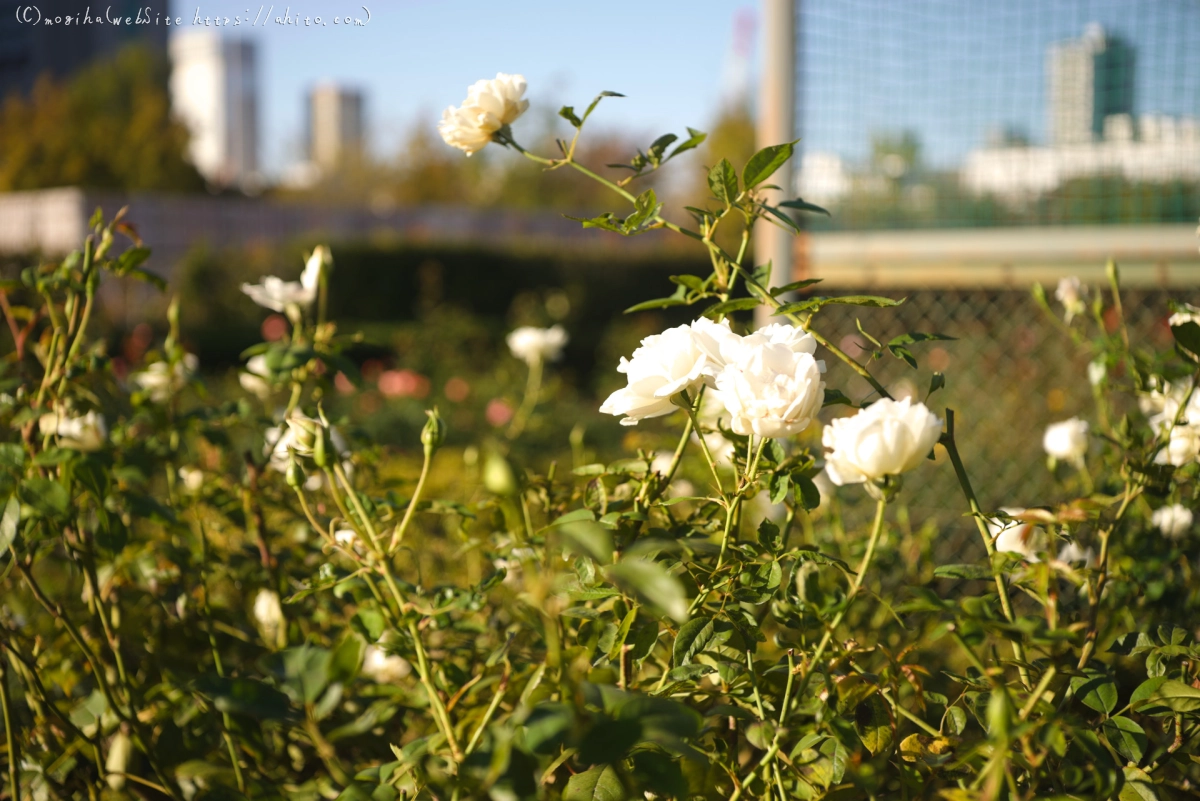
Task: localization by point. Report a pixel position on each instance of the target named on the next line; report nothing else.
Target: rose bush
(246, 599)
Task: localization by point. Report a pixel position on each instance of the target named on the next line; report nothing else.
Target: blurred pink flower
(274, 328)
(498, 412)
(457, 390)
(343, 384)
(403, 384)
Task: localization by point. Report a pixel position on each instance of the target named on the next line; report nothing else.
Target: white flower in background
(771, 387)
(1097, 371)
(1189, 314)
(255, 378)
(160, 380)
(1183, 444)
(1173, 521)
(85, 432)
(268, 612)
(886, 439)
(1067, 441)
(192, 478)
(537, 345)
(294, 434)
(384, 668)
(490, 105)
(665, 365)
(513, 565)
(276, 294)
(1073, 552)
(1017, 536)
(1071, 293)
(345, 537)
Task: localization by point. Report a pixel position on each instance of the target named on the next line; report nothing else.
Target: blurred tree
(108, 127)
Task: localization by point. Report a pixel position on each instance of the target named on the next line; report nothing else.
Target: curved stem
(10, 734)
(533, 386)
(398, 534)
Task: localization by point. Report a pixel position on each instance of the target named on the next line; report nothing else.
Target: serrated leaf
(731, 306)
(598, 783)
(695, 138)
(1127, 737)
(763, 164)
(722, 180)
(815, 304)
(794, 286)
(1098, 690)
(1177, 696)
(970, 572)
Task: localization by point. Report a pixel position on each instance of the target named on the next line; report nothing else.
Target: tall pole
(776, 124)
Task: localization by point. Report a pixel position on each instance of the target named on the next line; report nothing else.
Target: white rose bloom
(292, 434)
(160, 380)
(665, 365)
(1071, 293)
(1173, 521)
(192, 478)
(1097, 371)
(383, 667)
(1067, 441)
(255, 378)
(537, 345)
(1182, 447)
(490, 105)
(1073, 552)
(716, 340)
(345, 537)
(1017, 536)
(78, 432)
(268, 611)
(886, 439)
(771, 388)
(276, 294)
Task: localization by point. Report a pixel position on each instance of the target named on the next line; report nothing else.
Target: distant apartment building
(336, 125)
(214, 91)
(1087, 80)
(29, 48)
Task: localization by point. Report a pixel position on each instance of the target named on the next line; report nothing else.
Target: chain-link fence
(956, 113)
(1011, 371)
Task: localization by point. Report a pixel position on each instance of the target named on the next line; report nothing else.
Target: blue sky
(951, 69)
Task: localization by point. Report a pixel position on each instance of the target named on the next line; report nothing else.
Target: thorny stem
(948, 442)
(1094, 595)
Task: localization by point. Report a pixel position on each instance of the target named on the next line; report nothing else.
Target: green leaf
(368, 622)
(803, 205)
(48, 498)
(1187, 336)
(769, 536)
(1139, 786)
(898, 349)
(658, 147)
(599, 783)
(245, 696)
(689, 672)
(12, 456)
(763, 164)
(722, 180)
(807, 494)
(568, 114)
(936, 381)
(695, 138)
(586, 538)
(9, 522)
(651, 582)
(873, 723)
(963, 571)
(815, 304)
(596, 102)
(834, 397)
(1127, 737)
(730, 306)
(1177, 696)
(660, 303)
(698, 635)
(1098, 690)
(794, 286)
(693, 282)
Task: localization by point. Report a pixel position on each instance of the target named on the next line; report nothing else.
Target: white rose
(665, 365)
(887, 438)
(1071, 293)
(1097, 371)
(490, 105)
(1073, 552)
(268, 611)
(276, 294)
(1067, 440)
(160, 380)
(296, 433)
(383, 667)
(771, 388)
(345, 537)
(78, 432)
(192, 478)
(1173, 521)
(537, 345)
(255, 377)
(1183, 444)
(1017, 536)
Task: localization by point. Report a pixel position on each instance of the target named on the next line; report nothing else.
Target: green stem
(533, 386)
(964, 482)
(435, 701)
(10, 738)
(491, 710)
(410, 511)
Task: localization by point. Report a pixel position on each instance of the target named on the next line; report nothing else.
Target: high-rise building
(214, 91)
(1088, 80)
(336, 128)
(29, 48)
